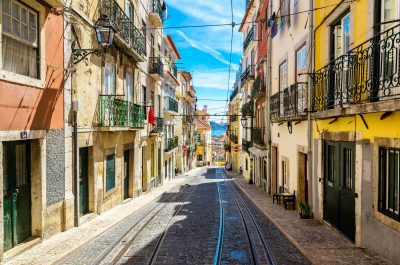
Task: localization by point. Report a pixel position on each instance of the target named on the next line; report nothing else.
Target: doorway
(339, 190)
(302, 181)
(17, 201)
(274, 169)
(83, 181)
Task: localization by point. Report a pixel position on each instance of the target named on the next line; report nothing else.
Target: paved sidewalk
(60, 245)
(317, 242)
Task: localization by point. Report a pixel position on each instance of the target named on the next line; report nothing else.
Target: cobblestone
(319, 243)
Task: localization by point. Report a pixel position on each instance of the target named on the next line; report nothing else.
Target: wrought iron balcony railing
(114, 112)
(171, 104)
(158, 125)
(234, 138)
(368, 73)
(247, 74)
(258, 87)
(233, 118)
(171, 143)
(259, 135)
(124, 26)
(233, 94)
(156, 7)
(250, 37)
(291, 103)
(247, 109)
(246, 145)
(156, 66)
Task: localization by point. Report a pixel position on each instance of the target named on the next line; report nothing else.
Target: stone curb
(280, 228)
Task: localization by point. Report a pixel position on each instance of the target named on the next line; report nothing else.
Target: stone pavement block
(316, 241)
(60, 245)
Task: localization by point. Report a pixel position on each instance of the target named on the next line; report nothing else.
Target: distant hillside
(218, 126)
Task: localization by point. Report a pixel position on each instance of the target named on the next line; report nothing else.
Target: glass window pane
(6, 23)
(32, 20)
(6, 6)
(15, 11)
(346, 34)
(347, 168)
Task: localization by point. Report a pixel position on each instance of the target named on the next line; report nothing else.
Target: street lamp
(105, 35)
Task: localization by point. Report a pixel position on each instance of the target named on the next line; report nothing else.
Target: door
(144, 181)
(17, 193)
(339, 190)
(159, 166)
(126, 173)
(274, 165)
(302, 182)
(83, 180)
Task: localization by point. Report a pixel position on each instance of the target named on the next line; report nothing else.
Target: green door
(17, 193)
(83, 180)
(159, 166)
(339, 190)
(126, 174)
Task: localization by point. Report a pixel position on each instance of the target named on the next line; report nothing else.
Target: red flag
(151, 116)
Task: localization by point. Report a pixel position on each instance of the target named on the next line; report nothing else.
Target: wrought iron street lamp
(105, 35)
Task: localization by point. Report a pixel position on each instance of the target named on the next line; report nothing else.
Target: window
(348, 168)
(390, 12)
(144, 98)
(285, 173)
(129, 87)
(200, 157)
(109, 79)
(331, 164)
(341, 36)
(301, 63)
(130, 11)
(283, 76)
(389, 161)
(20, 39)
(247, 164)
(110, 172)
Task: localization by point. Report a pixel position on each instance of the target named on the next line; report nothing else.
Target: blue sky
(205, 51)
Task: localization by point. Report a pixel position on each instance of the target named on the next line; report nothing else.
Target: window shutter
(110, 172)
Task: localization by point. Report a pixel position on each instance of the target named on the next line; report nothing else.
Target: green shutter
(110, 172)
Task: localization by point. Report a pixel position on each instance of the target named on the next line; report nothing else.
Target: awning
(258, 152)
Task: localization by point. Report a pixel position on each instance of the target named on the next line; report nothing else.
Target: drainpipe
(75, 161)
(267, 105)
(309, 95)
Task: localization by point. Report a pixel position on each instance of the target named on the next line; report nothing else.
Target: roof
(173, 46)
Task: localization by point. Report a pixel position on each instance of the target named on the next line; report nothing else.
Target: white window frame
(22, 79)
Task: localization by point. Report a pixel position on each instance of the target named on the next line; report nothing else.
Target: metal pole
(75, 150)
(309, 95)
(268, 93)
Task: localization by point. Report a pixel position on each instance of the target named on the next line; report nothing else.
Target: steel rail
(152, 212)
(218, 250)
(162, 237)
(268, 251)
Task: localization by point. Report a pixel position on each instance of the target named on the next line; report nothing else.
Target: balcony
(170, 104)
(247, 109)
(188, 118)
(234, 138)
(158, 126)
(114, 112)
(171, 143)
(156, 68)
(248, 74)
(246, 145)
(250, 37)
(157, 14)
(368, 73)
(258, 135)
(128, 35)
(290, 104)
(258, 88)
(233, 118)
(227, 147)
(233, 94)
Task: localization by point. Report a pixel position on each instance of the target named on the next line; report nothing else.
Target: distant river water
(217, 132)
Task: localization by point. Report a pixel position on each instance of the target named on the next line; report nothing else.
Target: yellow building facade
(356, 110)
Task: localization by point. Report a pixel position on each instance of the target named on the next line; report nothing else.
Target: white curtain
(18, 57)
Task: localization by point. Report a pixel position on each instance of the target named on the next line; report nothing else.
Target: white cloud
(217, 79)
(207, 49)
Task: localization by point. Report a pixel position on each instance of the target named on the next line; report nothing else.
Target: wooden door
(126, 173)
(83, 180)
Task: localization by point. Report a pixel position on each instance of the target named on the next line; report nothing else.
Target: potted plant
(305, 212)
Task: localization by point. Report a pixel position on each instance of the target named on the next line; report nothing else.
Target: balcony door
(107, 101)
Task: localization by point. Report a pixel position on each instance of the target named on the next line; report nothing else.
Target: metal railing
(247, 109)
(291, 103)
(234, 138)
(258, 135)
(156, 7)
(158, 125)
(123, 25)
(156, 66)
(258, 87)
(171, 143)
(114, 112)
(170, 104)
(247, 73)
(233, 94)
(250, 37)
(233, 118)
(246, 145)
(369, 72)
